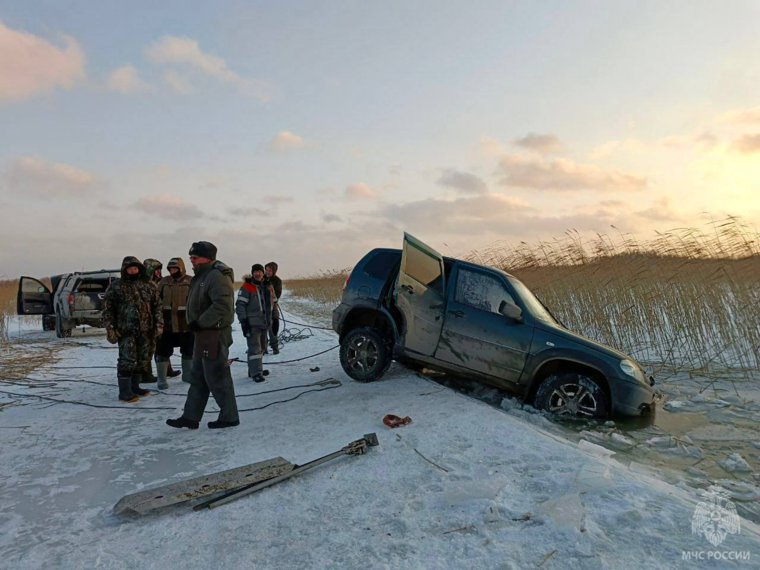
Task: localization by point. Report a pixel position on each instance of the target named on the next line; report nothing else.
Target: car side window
(480, 290)
(423, 268)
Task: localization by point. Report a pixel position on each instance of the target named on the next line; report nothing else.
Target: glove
(246, 328)
(194, 326)
(112, 335)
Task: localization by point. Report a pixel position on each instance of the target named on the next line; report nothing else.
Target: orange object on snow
(394, 421)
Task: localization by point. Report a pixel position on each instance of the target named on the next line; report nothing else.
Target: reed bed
(689, 299)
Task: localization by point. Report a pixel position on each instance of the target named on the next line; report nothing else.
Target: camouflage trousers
(135, 352)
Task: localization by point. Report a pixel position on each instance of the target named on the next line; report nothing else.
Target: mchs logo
(715, 517)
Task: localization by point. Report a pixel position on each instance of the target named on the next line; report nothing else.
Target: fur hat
(203, 249)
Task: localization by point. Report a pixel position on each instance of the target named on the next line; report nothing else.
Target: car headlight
(629, 367)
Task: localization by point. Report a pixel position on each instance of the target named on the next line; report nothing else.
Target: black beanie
(257, 267)
(203, 249)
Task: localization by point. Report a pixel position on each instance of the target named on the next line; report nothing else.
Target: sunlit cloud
(285, 141)
(177, 82)
(33, 176)
(173, 50)
(544, 144)
(30, 65)
(168, 207)
(562, 174)
(276, 200)
(747, 144)
(748, 116)
(360, 191)
(126, 80)
(463, 182)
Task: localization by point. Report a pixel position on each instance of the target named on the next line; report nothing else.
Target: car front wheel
(572, 394)
(364, 354)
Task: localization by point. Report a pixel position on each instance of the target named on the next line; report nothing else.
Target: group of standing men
(146, 313)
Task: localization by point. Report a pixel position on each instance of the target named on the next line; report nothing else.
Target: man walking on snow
(253, 308)
(174, 290)
(210, 315)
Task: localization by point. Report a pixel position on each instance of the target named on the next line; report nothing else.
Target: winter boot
(219, 424)
(135, 380)
(171, 373)
(187, 366)
(181, 422)
(162, 367)
(258, 378)
(125, 389)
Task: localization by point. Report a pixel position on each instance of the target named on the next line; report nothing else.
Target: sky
(310, 132)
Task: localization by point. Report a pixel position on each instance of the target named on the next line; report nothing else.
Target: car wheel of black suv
(572, 394)
(365, 354)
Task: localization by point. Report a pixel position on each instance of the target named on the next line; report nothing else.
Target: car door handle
(408, 288)
(457, 314)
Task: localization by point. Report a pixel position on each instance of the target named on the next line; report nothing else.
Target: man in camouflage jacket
(210, 315)
(132, 318)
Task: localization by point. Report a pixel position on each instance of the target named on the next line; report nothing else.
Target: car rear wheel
(572, 394)
(364, 354)
(62, 328)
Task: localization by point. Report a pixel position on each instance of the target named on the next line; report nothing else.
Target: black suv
(426, 310)
(75, 299)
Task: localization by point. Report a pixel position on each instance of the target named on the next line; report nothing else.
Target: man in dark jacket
(254, 308)
(276, 283)
(132, 317)
(210, 315)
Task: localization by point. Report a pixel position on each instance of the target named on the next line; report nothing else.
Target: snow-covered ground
(466, 485)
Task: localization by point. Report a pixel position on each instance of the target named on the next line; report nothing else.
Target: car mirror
(510, 310)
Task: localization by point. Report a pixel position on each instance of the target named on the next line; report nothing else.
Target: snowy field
(465, 485)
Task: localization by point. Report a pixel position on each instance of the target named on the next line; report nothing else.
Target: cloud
(169, 207)
(747, 144)
(360, 191)
(248, 212)
(329, 218)
(275, 200)
(31, 65)
(285, 141)
(463, 182)
(466, 215)
(747, 116)
(34, 176)
(178, 83)
(173, 50)
(125, 80)
(492, 147)
(561, 174)
(544, 144)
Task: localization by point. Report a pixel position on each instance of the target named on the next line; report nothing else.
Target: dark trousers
(168, 340)
(211, 376)
(257, 340)
(274, 329)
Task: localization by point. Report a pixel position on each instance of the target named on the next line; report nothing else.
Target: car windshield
(535, 306)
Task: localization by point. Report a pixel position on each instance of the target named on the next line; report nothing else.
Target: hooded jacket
(254, 303)
(131, 304)
(150, 269)
(211, 298)
(174, 292)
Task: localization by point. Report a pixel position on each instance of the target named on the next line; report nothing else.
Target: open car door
(420, 295)
(33, 298)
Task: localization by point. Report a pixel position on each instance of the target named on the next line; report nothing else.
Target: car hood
(568, 338)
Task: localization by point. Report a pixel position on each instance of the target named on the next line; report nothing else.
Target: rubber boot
(187, 365)
(162, 368)
(125, 388)
(135, 381)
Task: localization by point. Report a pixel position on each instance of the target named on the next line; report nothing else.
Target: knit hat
(203, 249)
(257, 267)
(174, 262)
